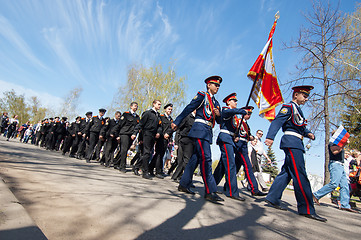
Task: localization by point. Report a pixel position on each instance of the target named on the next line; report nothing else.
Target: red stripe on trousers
(299, 181)
(229, 173)
(247, 172)
(203, 166)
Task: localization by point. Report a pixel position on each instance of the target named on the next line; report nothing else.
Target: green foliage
(270, 168)
(26, 110)
(147, 84)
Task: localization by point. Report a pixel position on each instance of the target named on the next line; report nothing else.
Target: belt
(228, 132)
(203, 121)
(243, 139)
(294, 134)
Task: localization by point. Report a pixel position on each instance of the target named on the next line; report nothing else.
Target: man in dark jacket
(84, 139)
(150, 125)
(123, 133)
(162, 142)
(92, 131)
(110, 141)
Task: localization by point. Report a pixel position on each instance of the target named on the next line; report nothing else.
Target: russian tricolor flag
(340, 136)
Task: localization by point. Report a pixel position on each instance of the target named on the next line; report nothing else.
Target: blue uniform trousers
(293, 168)
(227, 168)
(243, 159)
(202, 156)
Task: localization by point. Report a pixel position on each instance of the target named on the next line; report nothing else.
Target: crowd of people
(155, 137)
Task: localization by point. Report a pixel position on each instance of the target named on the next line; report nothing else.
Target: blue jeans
(338, 178)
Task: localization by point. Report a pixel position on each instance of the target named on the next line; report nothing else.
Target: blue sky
(48, 48)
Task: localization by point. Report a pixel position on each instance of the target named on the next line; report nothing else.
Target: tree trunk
(327, 116)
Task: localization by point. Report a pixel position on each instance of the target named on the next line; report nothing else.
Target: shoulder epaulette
(286, 105)
(95, 116)
(202, 93)
(226, 107)
(162, 115)
(126, 112)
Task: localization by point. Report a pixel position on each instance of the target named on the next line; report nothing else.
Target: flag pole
(277, 16)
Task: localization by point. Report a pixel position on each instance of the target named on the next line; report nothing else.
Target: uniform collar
(154, 109)
(131, 111)
(295, 103)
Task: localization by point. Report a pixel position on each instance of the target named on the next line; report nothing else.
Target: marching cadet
(293, 124)
(162, 142)
(110, 141)
(69, 139)
(50, 142)
(76, 135)
(82, 132)
(45, 132)
(208, 112)
(225, 140)
(185, 145)
(241, 154)
(150, 125)
(123, 132)
(59, 133)
(92, 131)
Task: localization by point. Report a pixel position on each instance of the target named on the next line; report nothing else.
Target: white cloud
(46, 99)
(9, 33)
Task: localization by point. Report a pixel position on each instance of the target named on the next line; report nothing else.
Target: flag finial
(277, 15)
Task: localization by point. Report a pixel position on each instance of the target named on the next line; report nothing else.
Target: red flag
(266, 93)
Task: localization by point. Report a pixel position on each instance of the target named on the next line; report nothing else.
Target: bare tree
(71, 101)
(321, 43)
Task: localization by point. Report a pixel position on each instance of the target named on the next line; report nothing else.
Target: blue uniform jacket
(290, 118)
(204, 112)
(229, 123)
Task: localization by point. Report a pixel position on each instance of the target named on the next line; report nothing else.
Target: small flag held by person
(340, 136)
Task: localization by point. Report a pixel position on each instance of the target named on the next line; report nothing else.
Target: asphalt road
(70, 199)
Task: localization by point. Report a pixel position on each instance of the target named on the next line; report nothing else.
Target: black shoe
(147, 176)
(152, 174)
(123, 170)
(160, 176)
(213, 197)
(260, 194)
(192, 186)
(72, 155)
(176, 180)
(239, 198)
(186, 190)
(87, 160)
(314, 217)
(276, 206)
(136, 172)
